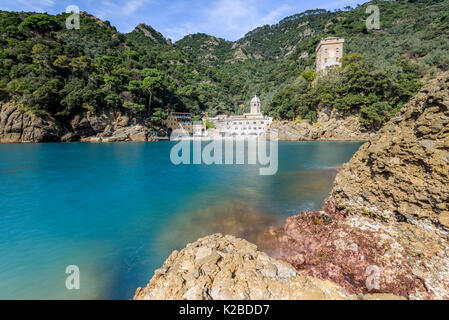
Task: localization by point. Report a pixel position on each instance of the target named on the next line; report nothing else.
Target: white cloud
(110, 9)
(35, 5)
(176, 33)
(234, 18)
(276, 15)
(240, 16)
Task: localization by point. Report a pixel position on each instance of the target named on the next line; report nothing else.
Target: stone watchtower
(329, 53)
(255, 105)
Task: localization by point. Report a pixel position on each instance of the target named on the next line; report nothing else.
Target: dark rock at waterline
(19, 125)
(331, 125)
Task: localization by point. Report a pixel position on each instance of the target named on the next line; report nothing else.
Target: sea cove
(118, 210)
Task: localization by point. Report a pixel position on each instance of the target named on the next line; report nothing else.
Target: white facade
(199, 129)
(252, 124)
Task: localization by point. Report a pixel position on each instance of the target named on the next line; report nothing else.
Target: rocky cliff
(227, 268)
(19, 125)
(383, 230)
(404, 174)
(387, 212)
(331, 125)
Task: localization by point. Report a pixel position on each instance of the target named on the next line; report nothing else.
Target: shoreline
(106, 142)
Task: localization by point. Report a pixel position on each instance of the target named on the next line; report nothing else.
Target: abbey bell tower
(256, 105)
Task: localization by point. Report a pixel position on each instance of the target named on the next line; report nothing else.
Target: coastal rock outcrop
(107, 127)
(136, 133)
(386, 216)
(17, 125)
(404, 174)
(330, 125)
(20, 125)
(227, 268)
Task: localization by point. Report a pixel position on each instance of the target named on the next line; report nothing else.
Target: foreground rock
(388, 210)
(404, 174)
(330, 126)
(227, 268)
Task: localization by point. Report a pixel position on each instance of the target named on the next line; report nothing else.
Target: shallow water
(118, 210)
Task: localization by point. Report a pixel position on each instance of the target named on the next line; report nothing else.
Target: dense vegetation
(383, 69)
(46, 68)
(277, 62)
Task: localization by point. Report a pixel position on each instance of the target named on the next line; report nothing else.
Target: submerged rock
(227, 268)
(235, 218)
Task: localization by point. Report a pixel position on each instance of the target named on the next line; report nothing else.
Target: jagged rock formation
(227, 268)
(151, 34)
(107, 127)
(405, 173)
(388, 209)
(18, 125)
(330, 125)
(411, 260)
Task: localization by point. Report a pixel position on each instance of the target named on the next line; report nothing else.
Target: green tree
(209, 125)
(41, 23)
(153, 80)
(158, 116)
(309, 75)
(351, 59)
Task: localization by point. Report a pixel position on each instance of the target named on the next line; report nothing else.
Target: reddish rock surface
(388, 210)
(345, 249)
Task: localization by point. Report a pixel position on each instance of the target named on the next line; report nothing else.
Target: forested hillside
(47, 69)
(383, 68)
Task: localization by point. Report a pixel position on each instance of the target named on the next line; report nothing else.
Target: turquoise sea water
(118, 210)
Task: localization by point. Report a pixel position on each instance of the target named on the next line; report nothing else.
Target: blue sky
(229, 19)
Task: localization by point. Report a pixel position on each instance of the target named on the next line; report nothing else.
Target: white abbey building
(249, 124)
